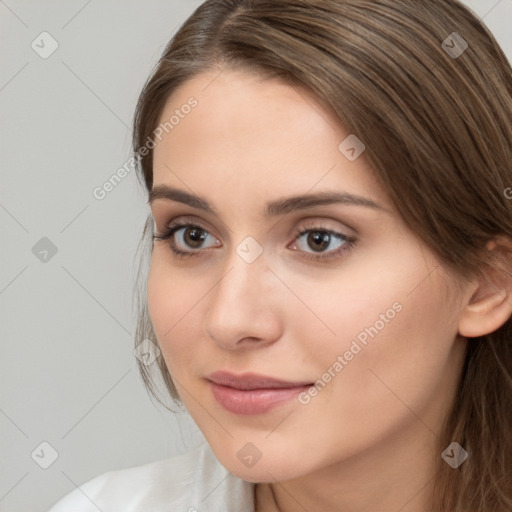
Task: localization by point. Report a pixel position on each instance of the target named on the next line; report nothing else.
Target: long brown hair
(436, 119)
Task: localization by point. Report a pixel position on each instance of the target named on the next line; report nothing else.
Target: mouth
(249, 393)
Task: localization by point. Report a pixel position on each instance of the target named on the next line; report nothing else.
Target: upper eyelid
(184, 221)
(161, 209)
(315, 221)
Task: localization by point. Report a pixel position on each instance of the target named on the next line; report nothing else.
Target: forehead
(246, 132)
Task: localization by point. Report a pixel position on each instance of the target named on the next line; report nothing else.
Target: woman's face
(356, 304)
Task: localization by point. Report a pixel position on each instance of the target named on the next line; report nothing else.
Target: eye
(188, 235)
(320, 238)
(187, 239)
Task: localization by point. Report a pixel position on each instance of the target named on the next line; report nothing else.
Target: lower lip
(254, 401)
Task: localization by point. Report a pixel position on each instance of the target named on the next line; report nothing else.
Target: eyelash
(175, 226)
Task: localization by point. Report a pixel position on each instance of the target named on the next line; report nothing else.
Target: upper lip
(251, 381)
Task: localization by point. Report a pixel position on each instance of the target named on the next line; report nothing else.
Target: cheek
(421, 345)
(360, 303)
(385, 297)
(386, 319)
(397, 343)
(172, 302)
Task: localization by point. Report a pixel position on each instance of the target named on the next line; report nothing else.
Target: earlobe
(490, 304)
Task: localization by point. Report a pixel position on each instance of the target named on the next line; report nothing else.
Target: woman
(329, 284)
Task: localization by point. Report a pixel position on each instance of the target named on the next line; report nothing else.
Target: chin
(266, 470)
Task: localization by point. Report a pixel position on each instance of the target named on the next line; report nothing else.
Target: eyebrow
(273, 208)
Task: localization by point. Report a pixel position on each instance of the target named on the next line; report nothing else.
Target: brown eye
(191, 238)
(194, 237)
(316, 241)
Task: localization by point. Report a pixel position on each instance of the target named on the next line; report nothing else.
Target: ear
(490, 303)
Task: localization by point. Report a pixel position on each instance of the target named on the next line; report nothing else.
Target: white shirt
(191, 482)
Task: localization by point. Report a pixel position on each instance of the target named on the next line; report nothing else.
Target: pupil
(196, 237)
(321, 239)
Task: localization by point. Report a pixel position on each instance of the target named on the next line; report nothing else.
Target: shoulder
(191, 482)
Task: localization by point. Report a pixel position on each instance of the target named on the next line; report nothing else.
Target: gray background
(68, 372)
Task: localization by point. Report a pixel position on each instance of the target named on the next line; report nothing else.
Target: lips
(248, 381)
(250, 394)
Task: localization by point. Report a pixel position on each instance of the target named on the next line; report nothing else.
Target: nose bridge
(245, 277)
(240, 301)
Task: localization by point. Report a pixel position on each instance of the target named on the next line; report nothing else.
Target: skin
(367, 441)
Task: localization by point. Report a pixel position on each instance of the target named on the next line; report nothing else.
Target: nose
(244, 309)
